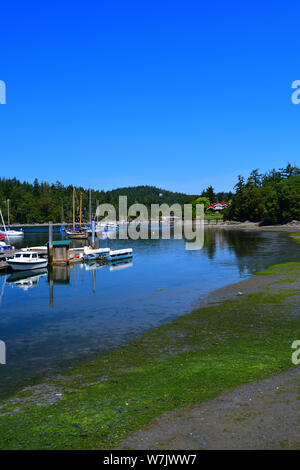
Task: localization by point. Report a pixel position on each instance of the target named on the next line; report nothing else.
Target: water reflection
(76, 312)
(26, 279)
(60, 274)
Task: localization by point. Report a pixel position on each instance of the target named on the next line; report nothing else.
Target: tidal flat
(242, 333)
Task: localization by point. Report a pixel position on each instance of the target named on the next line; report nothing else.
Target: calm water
(95, 309)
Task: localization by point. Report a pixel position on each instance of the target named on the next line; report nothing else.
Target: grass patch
(285, 281)
(213, 216)
(276, 269)
(295, 236)
(195, 357)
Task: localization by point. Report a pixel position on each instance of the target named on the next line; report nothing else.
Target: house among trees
(218, 206)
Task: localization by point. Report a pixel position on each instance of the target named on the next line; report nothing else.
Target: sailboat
(7, 232)
(77, 234)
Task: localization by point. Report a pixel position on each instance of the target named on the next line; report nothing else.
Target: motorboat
(96, 254)
(4, 246)
(116, 255)
(25, 260)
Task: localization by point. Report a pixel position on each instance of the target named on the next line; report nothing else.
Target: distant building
(218, 206)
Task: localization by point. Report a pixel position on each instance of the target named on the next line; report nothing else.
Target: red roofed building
(218, 206)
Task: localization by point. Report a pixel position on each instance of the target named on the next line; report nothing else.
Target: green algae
(276, 269)
(295, 236)
(195, 357)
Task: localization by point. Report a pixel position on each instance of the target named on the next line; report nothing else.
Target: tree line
(269, 198)
(40, 202)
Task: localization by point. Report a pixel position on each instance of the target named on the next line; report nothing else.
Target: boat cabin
(26, 256)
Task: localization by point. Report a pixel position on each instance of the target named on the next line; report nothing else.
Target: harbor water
(50, 322)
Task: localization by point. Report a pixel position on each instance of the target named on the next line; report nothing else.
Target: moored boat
(25, 260)
(116, 255)
(96, 254)
(77, 234)
(12, 233)
(8, 232)
(80, 234)
(4, 246)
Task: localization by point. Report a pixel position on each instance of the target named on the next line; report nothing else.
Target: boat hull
(23, 266)
(12, 233)
(119, 257)
(4, 247)
(77, 236)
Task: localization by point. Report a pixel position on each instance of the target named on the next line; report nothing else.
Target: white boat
(4, 246)
(116, 255)
(95, 254)
(108, 226)
(24, 260)
(12, 233)
(7, 232)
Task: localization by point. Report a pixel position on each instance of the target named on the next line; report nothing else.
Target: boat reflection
(120, 265)
(61, 274)
(92, 265)
(27, 279)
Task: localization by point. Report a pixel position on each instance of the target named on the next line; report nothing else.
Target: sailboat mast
(8, 221)
(3, 223)
(90, 205)
(73, 208)
(80, 207)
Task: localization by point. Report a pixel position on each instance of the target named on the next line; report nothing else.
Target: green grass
(295, 236)
(277, 269)
(213, 216)
(195, 357)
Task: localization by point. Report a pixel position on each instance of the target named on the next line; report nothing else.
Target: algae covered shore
(242, 333)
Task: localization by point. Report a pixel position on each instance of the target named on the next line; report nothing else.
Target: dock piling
(50, 246)
(93, 234)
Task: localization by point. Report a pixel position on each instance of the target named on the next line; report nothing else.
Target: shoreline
(239, 334)
(219, 223)
(219, 346)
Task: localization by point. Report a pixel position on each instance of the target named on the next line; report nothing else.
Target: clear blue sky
(177, 94)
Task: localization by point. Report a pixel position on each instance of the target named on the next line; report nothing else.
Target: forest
(40, 202)
(269, 198)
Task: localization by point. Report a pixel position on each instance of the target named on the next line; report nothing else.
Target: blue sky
(176, 94)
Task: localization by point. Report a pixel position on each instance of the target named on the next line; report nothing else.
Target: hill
(40, 202)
